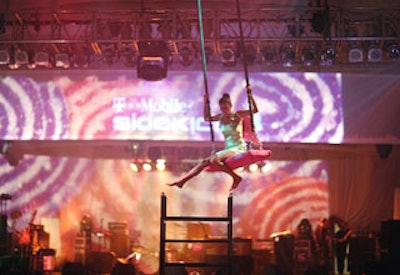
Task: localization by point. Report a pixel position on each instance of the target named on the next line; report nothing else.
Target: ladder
(164, 219)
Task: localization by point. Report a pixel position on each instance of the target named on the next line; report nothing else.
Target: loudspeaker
(390, 230)
(100, 262)
(3, 229)
(119, 244)
(284, 247)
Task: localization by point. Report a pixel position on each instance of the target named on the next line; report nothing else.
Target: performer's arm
(206, 111)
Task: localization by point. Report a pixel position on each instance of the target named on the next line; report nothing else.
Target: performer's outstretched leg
(225, 168)
(192, 173)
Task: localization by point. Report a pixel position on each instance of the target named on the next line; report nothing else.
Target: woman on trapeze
(231, 125)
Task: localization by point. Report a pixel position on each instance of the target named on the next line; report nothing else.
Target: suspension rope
(246, 70)
(204, 59)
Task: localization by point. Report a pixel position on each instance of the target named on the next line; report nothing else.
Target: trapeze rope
(204, 59)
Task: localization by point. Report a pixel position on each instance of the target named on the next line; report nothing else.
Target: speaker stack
(119, 239)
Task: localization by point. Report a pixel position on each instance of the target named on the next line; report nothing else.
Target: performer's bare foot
(236, 181)
(178, 184)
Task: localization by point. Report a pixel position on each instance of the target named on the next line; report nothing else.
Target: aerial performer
(231, 126)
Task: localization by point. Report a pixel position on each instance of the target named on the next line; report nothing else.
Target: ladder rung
(197, 241)
(209, 219)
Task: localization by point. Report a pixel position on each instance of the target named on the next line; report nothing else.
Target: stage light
(81, 60)
(4, 57)
(251, 54)
(128, 56)
(268, 55)
(239, 169)
(309, 55)
(62, 60)
(266, 167)
(393, 51)
(356, 55)
(253, 167)
(328, 55)
(109, 56)
(228, 56)
(160, 164)
(21, 58)
(153, 60)
(42, 59)
(186, 56)
(288, 55)
(374, 53)
(146, 166)
(134, 167)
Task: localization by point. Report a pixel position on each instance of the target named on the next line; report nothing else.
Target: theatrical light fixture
(309, 55)
(146, 166)
(288, 55)
(62, 60)
(328, 55)
(21, 58)
(153, 60)
(251, 54)
(128, 57)
(393, 51)
(228, 56)
(160, 164)
(266, 167)
(42, 59)
(268, 55)
(134, 167)
(253, 167)
(356, 55)
(374, 53)
(4, 57)
(186, 56)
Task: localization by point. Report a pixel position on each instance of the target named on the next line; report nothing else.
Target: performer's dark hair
(225, 98)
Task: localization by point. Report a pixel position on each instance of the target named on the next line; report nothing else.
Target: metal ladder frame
(164, 218)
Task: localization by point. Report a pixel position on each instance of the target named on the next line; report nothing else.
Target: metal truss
(96, 32)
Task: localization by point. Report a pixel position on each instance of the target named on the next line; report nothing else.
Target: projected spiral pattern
(30, 110)
(42, 183)
(292, 107)
(282, 206)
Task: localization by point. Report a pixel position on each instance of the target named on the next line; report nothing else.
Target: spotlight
(393, 51)
(146, 166)
(251, 54)
(62, 60)
(253, 167)
(355, 55)
(153, 60)
(374, 53)
(186, 56)
(268, 55)
(288, 55)
(42, 59)
(228, 56)
(128, 57)
(328, 56)
(160, 164)
(309, 55)
(134, 167)
(4, 57)
(109, 56)
(266, 167)
(21, 58)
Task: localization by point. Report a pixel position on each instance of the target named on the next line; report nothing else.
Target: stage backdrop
(294, 107)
